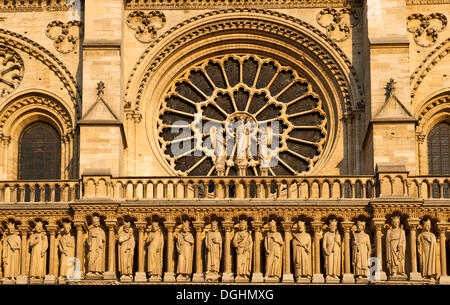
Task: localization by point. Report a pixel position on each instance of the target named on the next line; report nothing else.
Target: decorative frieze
(13, 6)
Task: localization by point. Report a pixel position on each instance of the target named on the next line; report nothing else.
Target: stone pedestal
(126, 279)
(257, 277)
(22, 279)
(198, 277)
(271, 279)
(93, 276)
(380, 276)
(348, 278)
(169, 277)
(50, 279)
(398, 278)
(332, 280)
(140, 277)
(110, 275)
(183, 279)
(154, 279)
(36, 281)
(288, 278)
(227, 277)
(318, 278)
(362, 280)
(444, 280)
(8, 281)
(303, 280)
(415, 276)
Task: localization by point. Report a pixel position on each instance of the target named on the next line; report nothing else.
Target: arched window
(439, 150)
(39, 153)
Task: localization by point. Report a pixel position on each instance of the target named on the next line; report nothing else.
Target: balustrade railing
(39, 191)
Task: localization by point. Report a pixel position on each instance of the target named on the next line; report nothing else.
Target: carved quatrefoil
(11, 70)
(146, 25)
(65, 35)
(426, 28)
(338, 22)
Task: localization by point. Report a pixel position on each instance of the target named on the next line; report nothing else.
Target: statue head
(427, 225)
(67, 226)
(126, 226)
(333, 225)
(96, 221)
(361, 225)
(273, 226)
(155, 226)
(301, 226)
(39, 226)
(243, 225)
(214, 225)
(11, 227)
(395, 222)
(186, 227)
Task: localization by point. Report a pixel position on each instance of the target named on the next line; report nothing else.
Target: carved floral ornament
(11, 70)
(426, 29)
(146, 25)
(241, 115)
(64, 35)
(338, 22)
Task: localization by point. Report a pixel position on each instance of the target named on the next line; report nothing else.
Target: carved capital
(141, 225)
(287, 225)
(347, 226)
(170, 225)
(317, 226)
(378, 223)
(413, 223)
(227, 225)
(198, 225)
(257, 225)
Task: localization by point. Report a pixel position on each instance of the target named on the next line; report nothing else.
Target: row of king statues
(303, 260)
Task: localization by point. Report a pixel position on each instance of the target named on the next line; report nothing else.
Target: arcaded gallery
(224, 141)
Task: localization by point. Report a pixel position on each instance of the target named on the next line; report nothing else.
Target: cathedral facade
(296, 141)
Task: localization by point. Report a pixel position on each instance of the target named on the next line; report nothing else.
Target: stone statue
(217, 144)
(361, 251)
(185, 249)
(96, 247)
(155, 246)
(11, 253)
(273, 244)
(126, 252)
(426, 246)
(301, 246)
(213, 242)
(66, 247)
(38, 246)
(243, 243)
(265, 154)
(332, 252)
(395, 249)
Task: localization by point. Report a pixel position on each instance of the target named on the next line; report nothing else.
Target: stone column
(227, 275)
(444, 278)
(169, 275)
(257, 276)
(287, 274)
(317, 275)
(348, 275)
(23, 278)
(50, 278)
(412, 224)
(111, 273)
(378, 224)
(140, 274)
(198, 275)
(80, 225)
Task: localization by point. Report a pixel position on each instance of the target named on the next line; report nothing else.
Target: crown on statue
(396, 218)
(333, 221)
(428, 221)
(361, 222)
(273, 222)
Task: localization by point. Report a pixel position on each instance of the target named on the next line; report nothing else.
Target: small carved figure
(361, 251)
(11, 253)
(243, 243)
(185, 249)
(332, 251)
(301, 246)
(155, 244)
(96, 247)
(66, 247)
(426, 246)
(126, 252)
(395, 249)
(213, 242)
(273, 245)
(38, 246)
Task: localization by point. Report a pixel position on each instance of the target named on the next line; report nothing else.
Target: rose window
(241, 115)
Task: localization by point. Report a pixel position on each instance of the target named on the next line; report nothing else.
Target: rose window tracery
(241, 115)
